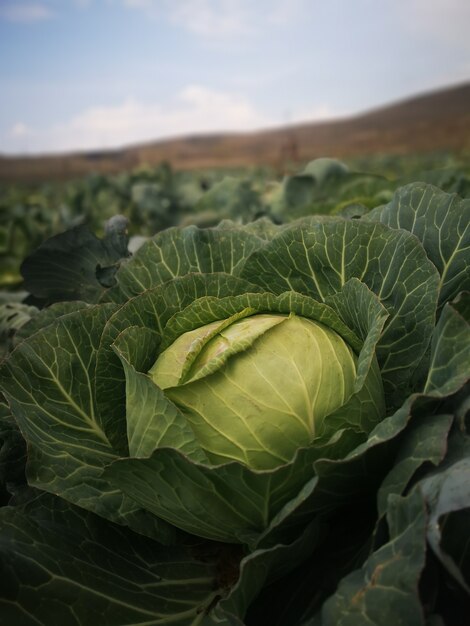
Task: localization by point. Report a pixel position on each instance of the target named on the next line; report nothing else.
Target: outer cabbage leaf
(449, 370)
(176, 252)
(450, 349)
(441, 221)
(447, 494)
(62, 563)
(76, 265)
(47, 316)
(385, 590)
(49, 384)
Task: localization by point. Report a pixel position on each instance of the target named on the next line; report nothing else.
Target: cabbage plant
(251, 402)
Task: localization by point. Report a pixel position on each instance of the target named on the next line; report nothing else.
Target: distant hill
(434, 121)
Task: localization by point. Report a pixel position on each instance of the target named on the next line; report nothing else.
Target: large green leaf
(385, 590)
(424, 442)
(319, 258)
(76, 265)
(441, 221)
(176, 252)
(49, 384)
(62, 565)
(228, 503)
(449, 368)
(47, 316)
(447, 494)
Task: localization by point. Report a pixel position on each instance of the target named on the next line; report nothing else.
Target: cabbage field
(237, 399)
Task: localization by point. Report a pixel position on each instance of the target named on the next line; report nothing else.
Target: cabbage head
(256, 389)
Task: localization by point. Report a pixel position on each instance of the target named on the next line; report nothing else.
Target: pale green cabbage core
(256, 389)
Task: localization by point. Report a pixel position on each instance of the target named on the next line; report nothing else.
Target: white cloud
(225, 18)
(195, 110)
(217, 20)
(214, 19)
(25, 12)
(19, 130)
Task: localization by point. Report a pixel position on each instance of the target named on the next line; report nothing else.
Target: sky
(98, 74)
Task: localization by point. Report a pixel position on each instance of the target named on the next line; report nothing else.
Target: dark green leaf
(447, 495)
(49, 384)
(62, 565)
(441, 221)
(228, 503)
(76, 265)
(385, 590)
(450, 349)
(176, 252)
(46, 317)
(424, 442)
